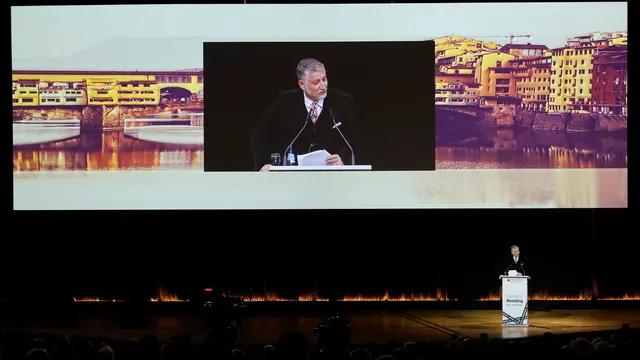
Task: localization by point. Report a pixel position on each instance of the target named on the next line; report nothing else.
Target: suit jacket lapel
(301, 108)
(326, 105)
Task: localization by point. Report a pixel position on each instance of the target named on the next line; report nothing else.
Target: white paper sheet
(316, 158)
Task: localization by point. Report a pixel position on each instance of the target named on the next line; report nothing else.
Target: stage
(367, 325)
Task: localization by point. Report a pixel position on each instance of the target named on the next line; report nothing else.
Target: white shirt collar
(308, 102)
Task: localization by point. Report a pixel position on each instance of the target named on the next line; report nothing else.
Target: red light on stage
(208, 289)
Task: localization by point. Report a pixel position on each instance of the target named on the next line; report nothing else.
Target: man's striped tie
(314, 111)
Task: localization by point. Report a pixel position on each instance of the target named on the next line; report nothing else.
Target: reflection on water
(186, 128)
(59, 147)
(491, 148)
(34, 132)
(109, 150)
(521, 188)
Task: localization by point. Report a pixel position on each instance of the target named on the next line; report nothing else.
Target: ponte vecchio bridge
(103, 99)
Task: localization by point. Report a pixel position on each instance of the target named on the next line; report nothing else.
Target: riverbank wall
(570, 121)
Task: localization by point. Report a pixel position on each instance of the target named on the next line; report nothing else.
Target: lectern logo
(514, 300)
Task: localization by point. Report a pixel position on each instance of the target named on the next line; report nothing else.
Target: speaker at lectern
(515, 300)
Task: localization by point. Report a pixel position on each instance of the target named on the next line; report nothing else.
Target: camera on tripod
(223, 310)
(334, 334)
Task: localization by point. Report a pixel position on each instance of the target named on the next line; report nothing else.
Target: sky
(169, 37)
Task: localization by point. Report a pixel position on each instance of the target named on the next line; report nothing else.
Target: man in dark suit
(314, 102)
(515, 262)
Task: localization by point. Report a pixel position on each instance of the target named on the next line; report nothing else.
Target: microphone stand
(337, 127)
(506, 272)
(522, 267)
(306, 120)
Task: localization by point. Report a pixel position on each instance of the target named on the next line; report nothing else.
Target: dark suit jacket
(278, 126)
(517, 266)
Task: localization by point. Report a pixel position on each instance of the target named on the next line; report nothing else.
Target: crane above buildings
(509, 37)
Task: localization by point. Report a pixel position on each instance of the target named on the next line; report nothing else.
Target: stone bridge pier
(483, 115)
(92, 118)
(98, 118)
(91, 140)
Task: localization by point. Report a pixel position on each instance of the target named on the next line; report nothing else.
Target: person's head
(515, 250)
(312, 78)
(360, 354)
(38, 354)
(105, 353)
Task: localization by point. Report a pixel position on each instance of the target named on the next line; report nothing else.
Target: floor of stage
(368, 326)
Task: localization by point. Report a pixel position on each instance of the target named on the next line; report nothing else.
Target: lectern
(322, 168)
(515, 300)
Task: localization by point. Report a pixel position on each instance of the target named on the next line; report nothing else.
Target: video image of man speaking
(319, 105)
(313, 116)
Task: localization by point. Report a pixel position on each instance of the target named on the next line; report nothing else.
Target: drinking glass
(276, 159)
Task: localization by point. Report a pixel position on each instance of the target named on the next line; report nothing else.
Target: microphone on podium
(506, 272)
(336, 125)
(286, 155)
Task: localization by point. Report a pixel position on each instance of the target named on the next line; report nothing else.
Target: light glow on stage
(417, 297)
(273, 297)
(583, 296)
(94, 300)
(165, 296)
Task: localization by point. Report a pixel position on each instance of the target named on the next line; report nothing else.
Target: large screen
(516, 114)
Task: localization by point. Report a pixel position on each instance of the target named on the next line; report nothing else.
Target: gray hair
(306, 66)
(514, 247)
(105, 353)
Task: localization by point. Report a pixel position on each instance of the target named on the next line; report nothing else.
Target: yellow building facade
(455, 70)
(470, 59)
(454, 78)
(493, 73)
(457, 94)
(24, 92)
(456, 45)
(533, 79)
(102, 91)
(62, 94)
(452, 52)
(138, 92)
(102, 87)
(449, 94)
(571, 74)
(618, 41)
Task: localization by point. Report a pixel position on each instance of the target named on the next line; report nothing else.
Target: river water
(463, 149)
(517, 149)
(109, 150)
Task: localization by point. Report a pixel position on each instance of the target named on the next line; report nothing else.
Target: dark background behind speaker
(582, 245)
